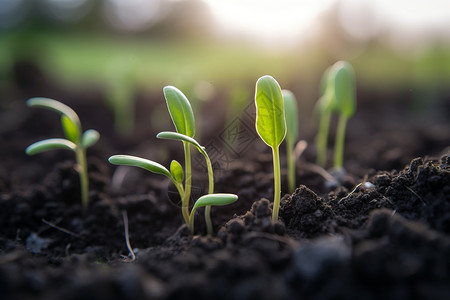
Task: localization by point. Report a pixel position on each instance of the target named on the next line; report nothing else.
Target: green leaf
(49, 144)
(128, 160)
(89, 138)
(57, 107)
(291, 114)
(270, 120)
(344, 88)
(177, 171)
(215, 199)
(70, 129)
(169, 135)
(180, 111)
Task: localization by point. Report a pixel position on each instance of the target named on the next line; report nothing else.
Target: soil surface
(382, 231)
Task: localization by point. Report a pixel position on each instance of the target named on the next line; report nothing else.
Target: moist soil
(379, 231)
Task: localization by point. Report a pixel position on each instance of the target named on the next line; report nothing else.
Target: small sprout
(184, 138)
(75, 140)
(174, 174)
(208, 201)
(338, 95)
(323, 110)
(271, 126)
(345, 105)
(180, 111)
(291, 115)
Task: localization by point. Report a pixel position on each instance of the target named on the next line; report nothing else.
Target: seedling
(271, 127)
(338, 87)
(323, 111)
(75, 140)
(184, 138)
(210, 200)
(180, 111)
(291, 115)
(345, 105)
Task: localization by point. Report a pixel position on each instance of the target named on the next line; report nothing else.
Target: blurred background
(126, 51)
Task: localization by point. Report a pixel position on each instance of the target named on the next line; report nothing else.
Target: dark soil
(382, 232)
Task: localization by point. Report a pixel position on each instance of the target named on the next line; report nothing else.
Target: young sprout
(345, 105)
(271, 126)
(75, 140)
(323, 111)
(184, 138)
(209, 200)
(175, 174)
(180, 111)
(291, 115)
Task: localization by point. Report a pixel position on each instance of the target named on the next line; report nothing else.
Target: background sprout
(180, 111)
(344, 103)
(271, 126)
(184, 138)
(291, 115)
(175, 174)
(76, 140)
(209, 200)
(323, 110)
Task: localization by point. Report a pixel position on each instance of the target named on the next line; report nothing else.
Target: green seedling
(323, 110)
(180, 111)
(175, 174)
(338, 88)
(75, 140)
(210, 200)
(184, 138)
(271, 126)
(345, 105)
(291, 115)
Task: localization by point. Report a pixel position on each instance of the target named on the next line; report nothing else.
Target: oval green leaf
(344, 88)
(90, 137)
(169, 135)
(129, 160)
(49, 144)
(180, 111)
(177, 171)
(270, 120)
(70, 129)
(291, 115)
(57, 107)
(215, 199)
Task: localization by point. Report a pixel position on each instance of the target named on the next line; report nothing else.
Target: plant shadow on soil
(386, 239)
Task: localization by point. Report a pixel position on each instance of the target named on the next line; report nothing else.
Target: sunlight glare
(266, 19)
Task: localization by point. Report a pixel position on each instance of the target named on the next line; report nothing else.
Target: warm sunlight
(266, 19)
(284, 19)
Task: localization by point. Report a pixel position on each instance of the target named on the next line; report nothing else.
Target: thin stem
(191, 221)
(339, 143)
(322, 138)
(83, 173)
(127, 235)
(208, 221)
(291, 166)
(187, 183)
(179, 187)
(277, 183)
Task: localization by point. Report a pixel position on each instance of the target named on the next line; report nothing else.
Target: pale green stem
(291, 166)
(322, 139)
(191, 221)
(179, 187)
(277, 183)
(187, 183)
(339, 143)
(208, 221)
(83, 173)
